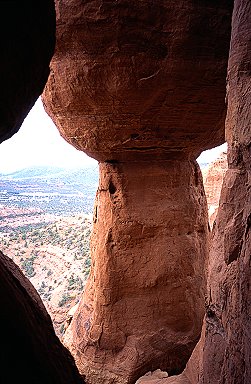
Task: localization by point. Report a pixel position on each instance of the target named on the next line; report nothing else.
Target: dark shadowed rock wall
(27, 40)
(30, 352)
(227, 350)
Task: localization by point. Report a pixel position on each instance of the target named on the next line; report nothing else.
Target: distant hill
(32, 172)
(74, 175)
(50, 189)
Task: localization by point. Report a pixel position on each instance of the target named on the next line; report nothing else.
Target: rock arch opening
(46, 203)
(115, 93)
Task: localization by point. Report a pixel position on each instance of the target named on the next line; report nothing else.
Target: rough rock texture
(133, 79)
(144, 303)
(140, 86)
(190, 375)
(213, 177)
(227, 350)
(27, 39)
(30, 351)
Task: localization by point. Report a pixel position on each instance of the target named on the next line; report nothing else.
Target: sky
(38, 143)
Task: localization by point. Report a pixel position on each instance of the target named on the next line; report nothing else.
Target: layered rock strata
(141, 87)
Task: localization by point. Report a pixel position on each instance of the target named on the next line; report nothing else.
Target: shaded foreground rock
(191, 374)
(27, 39)
(227, 350)
(30, 351)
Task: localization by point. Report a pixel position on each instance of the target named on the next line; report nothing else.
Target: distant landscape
(46, 220)
(50, 190)
(45, 227)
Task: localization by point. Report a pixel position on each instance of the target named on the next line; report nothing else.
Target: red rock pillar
(140, 86)
(144, 302)
(227, 350)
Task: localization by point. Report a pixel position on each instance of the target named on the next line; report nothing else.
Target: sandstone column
(141, 88)
(144, 302)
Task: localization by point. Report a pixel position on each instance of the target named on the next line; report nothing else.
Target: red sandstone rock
(122, 67)
(144, 303)
(226, 356)
(227, 350)
(30, 351)
(140, 86)
(213, 178)
(140, 79)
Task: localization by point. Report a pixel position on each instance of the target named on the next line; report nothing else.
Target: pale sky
(212, 154)
(38, 142)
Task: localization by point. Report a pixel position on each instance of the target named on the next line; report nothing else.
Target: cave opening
(46, 202)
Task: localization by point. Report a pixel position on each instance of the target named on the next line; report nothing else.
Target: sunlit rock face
(213, 177)
(27, 39)
(138, 79)
(140, 86)
(144, 302)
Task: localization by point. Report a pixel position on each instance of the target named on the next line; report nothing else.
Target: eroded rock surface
(227, 350)
(144, 301)
(225, 354)
(140, 86)
(140, 79)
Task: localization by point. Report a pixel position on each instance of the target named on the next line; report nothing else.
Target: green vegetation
(66, 297)
(74, 238)
(55, 255)
(28, 267)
